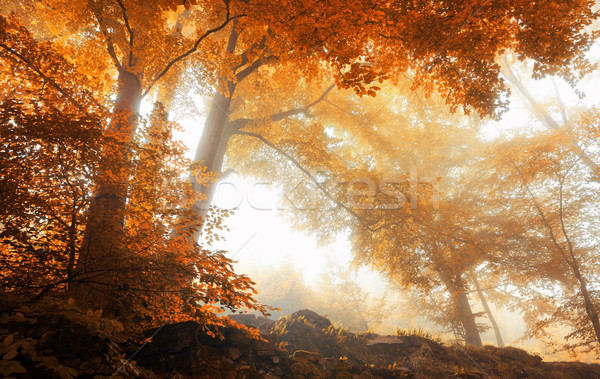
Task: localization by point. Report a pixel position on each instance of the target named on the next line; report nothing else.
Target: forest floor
(306, 345)
(46, 339)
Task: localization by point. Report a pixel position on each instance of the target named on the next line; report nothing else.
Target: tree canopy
(375, 106)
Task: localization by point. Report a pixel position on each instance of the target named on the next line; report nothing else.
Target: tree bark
(212, 145)
(210, 152)
(462, 309)
(101, 257)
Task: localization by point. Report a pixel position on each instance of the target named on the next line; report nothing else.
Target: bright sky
(260, 236)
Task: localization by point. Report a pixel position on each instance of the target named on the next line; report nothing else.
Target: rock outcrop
(257, 322)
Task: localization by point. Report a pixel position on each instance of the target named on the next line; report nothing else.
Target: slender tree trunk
(590, 308)
(568, 256)
(488, 312)
(463, 312)
(101, 257)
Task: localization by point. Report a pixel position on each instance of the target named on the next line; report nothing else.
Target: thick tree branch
(540, 113)
(129, 30)
(240, 123)
(233, 38)
(250, 69)
(243, 74)
(194, 47)
(255, 46)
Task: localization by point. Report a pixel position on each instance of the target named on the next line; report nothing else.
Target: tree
(482, 298)
(546, 119)
(479, 92)
(371, 188)
(548, 204)
(283, 287)
(129, 33)
(336, 294)
(52, 150)
(44, 218)
(365, 43)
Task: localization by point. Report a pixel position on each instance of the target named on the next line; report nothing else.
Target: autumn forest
(451, 147)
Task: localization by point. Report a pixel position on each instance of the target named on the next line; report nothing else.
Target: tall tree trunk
(488, 312)
(212, 145)
(210, 152)
(462, 309)
(101, 257)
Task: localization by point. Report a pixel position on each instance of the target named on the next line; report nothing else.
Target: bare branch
(242, 122)
(191, 50)
(324, 190)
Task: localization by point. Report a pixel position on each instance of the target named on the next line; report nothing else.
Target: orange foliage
(96, 198)
(50, 154)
